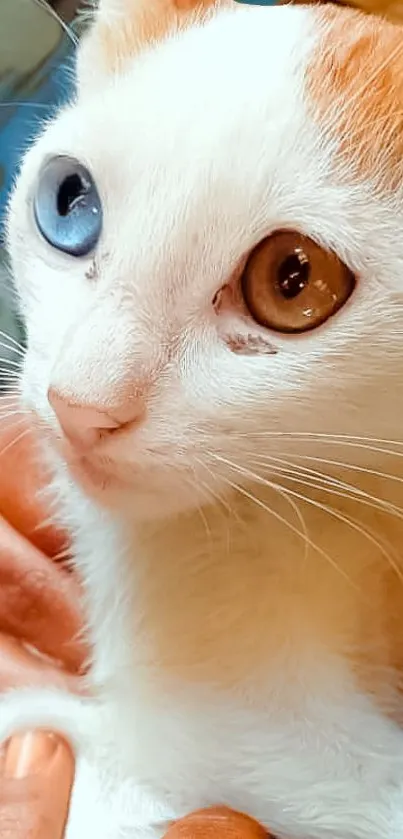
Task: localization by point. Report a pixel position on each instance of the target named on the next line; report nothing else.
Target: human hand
(216, 823)
(39, 598)
(36, 771)
(39, 607)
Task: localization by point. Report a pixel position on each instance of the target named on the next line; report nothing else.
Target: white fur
(199, 149)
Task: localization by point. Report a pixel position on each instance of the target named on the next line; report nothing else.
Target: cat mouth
(94, 475)
(86, 471)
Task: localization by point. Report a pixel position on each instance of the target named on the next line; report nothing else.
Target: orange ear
(122, 28)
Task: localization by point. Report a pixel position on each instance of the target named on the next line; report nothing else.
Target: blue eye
(67, 207)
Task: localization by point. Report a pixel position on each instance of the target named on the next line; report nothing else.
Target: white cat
(208, 250)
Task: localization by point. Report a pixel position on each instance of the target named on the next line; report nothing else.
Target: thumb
(216, 823)
(37, 775)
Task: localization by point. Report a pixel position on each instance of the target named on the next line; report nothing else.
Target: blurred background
(37, 45)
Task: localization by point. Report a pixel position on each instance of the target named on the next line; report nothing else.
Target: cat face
(207, 248)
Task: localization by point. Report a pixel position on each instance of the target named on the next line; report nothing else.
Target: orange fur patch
(387, 9)
(355, 82)
(392, 9)
(145, 22)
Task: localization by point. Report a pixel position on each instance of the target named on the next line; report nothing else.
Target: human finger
(21, 668)
(35, 790)
(216, 823)
(22, 480)
(39, 602)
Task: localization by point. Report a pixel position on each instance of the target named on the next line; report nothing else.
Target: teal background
(27, 98)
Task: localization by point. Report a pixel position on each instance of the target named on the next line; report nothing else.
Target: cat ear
(122, 28)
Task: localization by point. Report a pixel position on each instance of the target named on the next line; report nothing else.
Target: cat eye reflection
(67, 206)
(290, 284)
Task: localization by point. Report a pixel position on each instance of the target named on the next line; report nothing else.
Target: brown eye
(290, 284)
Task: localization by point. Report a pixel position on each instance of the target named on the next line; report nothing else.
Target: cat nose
(82, 424)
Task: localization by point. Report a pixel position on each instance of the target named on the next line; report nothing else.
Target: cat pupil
(70, 190)
(293, 274)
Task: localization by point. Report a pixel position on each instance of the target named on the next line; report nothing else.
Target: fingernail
(29, 754)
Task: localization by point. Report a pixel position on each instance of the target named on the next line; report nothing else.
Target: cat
(207, 250)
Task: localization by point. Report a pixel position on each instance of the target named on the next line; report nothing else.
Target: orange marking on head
(355, 83)
(145, 22)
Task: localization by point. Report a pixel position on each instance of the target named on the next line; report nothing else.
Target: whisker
(327, 486)
(352, 523)
(224, 508)
(284, 494)
(198, 486)
(13, 340)
(5, 388)
(52, 12)
(15, 440)
(11, 365)
(350, 491)
(202, 513)
(11, 362)
(210, 494)
(10, 375)
(319, 435)
(354, 468)
(11, 404)
(12, 349)
(284, 521)
(12, 414)
(10, 395)
(8, 400)
(8, 382)
(332, 512)
(18, 104)
(333, 439)
(215, 495)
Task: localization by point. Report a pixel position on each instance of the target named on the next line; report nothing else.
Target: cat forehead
(125, 27)
(346, 67)
(239, 95)
(179, 106)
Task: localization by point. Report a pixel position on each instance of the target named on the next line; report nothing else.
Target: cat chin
(140, 500)
(144, 508)
(140, 505)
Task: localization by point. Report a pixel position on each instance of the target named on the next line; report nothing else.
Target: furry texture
(241, 555)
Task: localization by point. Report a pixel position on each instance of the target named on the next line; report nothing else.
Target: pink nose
(82, 423)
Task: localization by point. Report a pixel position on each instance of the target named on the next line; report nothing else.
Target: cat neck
(248, 593)
(229, 592)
